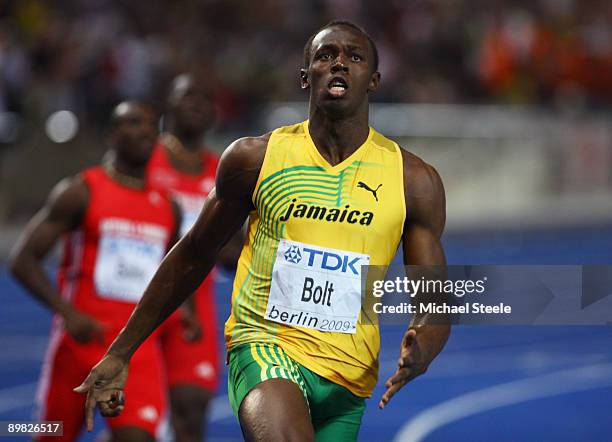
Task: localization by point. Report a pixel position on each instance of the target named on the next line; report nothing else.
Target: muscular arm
(192, 258)
(180, 272)
(426, 209)
(425, 219)
(193, 330)
(61, 213)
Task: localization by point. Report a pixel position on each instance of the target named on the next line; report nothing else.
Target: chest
(142, 215)
(358, 201)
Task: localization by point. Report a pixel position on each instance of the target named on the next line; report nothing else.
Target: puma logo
(369, 189)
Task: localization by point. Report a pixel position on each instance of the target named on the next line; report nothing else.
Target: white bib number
(316, 287)
(125, 266)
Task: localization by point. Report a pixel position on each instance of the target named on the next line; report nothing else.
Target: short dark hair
(347, 23)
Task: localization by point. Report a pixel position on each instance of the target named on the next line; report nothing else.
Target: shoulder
(424, 194)
(420, 178)
(69, 198)
(384, 143)
(245, 154)
(72, 188)
(240, 165)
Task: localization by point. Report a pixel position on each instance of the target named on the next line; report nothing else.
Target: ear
(304, 83)
(374, 82)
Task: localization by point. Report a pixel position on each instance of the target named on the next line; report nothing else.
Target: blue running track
(490, 383)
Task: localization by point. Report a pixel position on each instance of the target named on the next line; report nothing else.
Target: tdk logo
(293, 254)
(331, 261)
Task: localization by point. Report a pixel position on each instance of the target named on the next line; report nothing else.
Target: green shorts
(335, 412)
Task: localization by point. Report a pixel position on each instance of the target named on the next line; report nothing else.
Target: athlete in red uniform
(181, 163)
(115, 232)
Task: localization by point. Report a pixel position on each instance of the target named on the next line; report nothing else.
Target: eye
(324, 56)
(356, 58)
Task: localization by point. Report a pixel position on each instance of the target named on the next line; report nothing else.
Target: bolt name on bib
(316, 287)
(317, 294)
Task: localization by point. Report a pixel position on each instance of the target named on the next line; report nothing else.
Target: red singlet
(193, 363)
(106, 266)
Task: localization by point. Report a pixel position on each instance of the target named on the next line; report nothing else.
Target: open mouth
(337, 86)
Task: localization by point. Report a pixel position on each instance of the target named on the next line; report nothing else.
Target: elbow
(17, 263)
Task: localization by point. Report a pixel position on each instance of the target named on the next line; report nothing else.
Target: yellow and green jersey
(298, 281)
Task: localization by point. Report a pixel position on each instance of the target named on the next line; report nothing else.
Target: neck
(337, 139)
(125, 174)
(183, 159)
(189, 140)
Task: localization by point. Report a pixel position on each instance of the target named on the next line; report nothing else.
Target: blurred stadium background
(510, 100)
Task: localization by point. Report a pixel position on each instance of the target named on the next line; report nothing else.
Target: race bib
(316, 287)
(128, 256)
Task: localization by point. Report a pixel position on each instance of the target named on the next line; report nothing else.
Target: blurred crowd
(84, 55)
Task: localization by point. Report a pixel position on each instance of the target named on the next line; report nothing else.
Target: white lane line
(527, 363)
(536, 387)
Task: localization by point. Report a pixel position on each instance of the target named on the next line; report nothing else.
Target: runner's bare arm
(425, 219)
(180, 273)
(62, 213)
(190, 260)
(193, 328)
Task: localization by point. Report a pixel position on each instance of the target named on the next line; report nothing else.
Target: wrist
(123, 355)
(120, 349)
